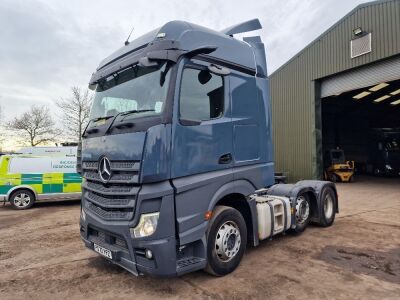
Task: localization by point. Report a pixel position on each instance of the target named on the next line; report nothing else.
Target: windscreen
(138, 88)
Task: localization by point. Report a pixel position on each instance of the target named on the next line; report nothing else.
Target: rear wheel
(303, 213)
(328, 207)
(226, 241)
(22, 199)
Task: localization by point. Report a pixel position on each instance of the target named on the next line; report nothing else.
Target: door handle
(225, 159)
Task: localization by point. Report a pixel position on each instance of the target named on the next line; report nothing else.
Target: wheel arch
(234, 194)
(21, 187)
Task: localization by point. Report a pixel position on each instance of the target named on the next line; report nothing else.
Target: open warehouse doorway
(364, 122)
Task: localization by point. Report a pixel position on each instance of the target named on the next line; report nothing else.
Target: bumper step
(189, 264)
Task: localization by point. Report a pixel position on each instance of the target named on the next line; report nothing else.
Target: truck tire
(328, 207)
(226, 241)
(303, 213)
(22, 199)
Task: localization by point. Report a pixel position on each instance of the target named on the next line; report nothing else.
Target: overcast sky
(48, 46)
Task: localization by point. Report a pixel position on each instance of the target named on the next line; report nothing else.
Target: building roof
(353, 11)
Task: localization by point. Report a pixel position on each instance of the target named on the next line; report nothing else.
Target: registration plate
(103, 251)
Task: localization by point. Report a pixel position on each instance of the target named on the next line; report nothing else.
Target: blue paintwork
(156, 157)
(128, 146)
(196, 149)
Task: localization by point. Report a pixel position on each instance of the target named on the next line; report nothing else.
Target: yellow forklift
(337, 169)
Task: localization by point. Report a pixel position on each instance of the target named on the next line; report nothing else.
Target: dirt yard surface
(42, 257)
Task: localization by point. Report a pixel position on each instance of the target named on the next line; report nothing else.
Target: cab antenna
(127, 40)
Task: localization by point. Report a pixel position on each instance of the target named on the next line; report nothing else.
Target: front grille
(115, 199)
(110, 213)
(103, 238)
(107, 201)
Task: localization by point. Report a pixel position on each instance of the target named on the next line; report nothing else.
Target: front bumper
(3, 198)
(133, 259)
(129, 252)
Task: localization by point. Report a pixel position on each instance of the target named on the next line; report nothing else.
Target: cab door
(202, 135)
(202, 149)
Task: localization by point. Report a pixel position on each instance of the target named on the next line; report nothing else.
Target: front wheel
(22, 199)
(226, 241)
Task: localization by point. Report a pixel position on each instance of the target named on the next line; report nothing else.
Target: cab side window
(201, 96)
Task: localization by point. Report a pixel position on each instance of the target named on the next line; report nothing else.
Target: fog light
(147, 225)
(149, 254)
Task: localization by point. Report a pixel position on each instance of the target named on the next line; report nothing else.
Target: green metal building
(321, 82)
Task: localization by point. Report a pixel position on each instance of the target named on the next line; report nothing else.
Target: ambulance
(39, 175)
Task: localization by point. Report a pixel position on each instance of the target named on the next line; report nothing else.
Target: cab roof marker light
(395, 92)
(395, 102)
(381, 98)
(361, 95)
(161, 35)
(378, 87)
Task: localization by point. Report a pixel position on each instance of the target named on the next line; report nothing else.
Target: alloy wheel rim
(302, 210)
(227, 241)
(22, 200)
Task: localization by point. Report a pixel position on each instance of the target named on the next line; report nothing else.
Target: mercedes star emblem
(105, 169)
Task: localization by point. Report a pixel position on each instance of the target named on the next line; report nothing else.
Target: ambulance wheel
(226, 241)
(22, 199)
(303, 213)
(328, 207)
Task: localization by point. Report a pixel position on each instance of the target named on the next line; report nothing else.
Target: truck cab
(178, 143)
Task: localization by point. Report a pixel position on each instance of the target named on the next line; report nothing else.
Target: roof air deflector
(243, 27)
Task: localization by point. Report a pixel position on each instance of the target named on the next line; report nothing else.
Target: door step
(189, 264)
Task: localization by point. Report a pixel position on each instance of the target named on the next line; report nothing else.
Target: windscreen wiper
(135, 111)
(94, 120)
(125, 113)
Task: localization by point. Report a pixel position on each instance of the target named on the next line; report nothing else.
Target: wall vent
(360, 46)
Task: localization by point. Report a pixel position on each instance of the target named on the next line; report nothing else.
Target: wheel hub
(22, 200)
(227, 242)
(302, 210)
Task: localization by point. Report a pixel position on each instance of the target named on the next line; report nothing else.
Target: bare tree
(75, 111)
(36, 125)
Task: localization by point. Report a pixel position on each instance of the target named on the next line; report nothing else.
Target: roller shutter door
(387, 70)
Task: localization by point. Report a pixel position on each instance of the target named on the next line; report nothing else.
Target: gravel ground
(42, 257)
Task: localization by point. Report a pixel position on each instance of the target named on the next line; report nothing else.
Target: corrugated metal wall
(295, 86)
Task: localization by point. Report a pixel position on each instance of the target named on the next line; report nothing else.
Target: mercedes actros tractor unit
(177, 159)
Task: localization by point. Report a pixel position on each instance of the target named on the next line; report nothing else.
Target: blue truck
(177, 159)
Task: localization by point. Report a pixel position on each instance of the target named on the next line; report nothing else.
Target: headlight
(147, 225)
(83, 214)
(389, 167)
